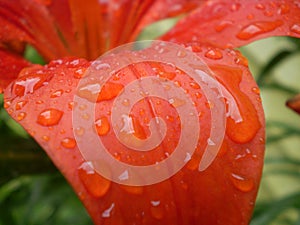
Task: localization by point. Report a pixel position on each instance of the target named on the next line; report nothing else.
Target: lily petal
(10, 66)
(29, 21)
(231, 24)
(294, 103)
(47, 115)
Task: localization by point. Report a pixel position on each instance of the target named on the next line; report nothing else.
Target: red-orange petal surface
(233, 24)
(224, 193)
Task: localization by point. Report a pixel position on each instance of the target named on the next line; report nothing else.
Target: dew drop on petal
(256, 90)
(194, 85)
(102, 126)
(26, 85)
(79, 73)
(20, 105)
(79, 131)
(260, 6)
(7, 104)
(214, 54)
(241, 183)
(156, 210)
(95, 184)
(107, 212)
(176, 102)
(283, 9)
(71, 105)
(296, 28)
(68, 143)
(21, 116)
(45, 138)
(49, 117)
(56, 94)
(254, 29)
(222, 25)
(181, 54)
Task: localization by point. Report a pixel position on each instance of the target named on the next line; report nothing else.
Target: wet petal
(233, 24)
(49, 121)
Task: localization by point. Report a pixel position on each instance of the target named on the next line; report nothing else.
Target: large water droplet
(102, 126)
(68, 143)
(49, 117)
(94, 92)
(26, 85)
(254, 29)
(241, 183)
(95, 184)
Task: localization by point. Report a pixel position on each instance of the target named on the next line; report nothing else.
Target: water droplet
(254, 29)
(71, 105)
(102, 66)
(194, 85)
(181, 53)
(38, 102)
(155, 203)
(241, 183)
(176, 102)
(256, 90)
(126, 102)
(260, 6)
(188, 157)
(45, 138)
(79, 131)
(79, 73)
(49, 117)
(222, 25)
(210, 142)
(156, 210)
(124, 176)
(56, 94)
(250, 16)
(26, 85)
(68, 143)
(95, 184)
(102, 126)
(20, 105)
(283, 9)
(295, 28)
(214, 54)
(235, 7)
(92, 91)
(21, 116)
(107, 213)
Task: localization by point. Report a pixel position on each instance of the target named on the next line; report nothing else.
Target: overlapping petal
(236, 23)
(41, 100)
